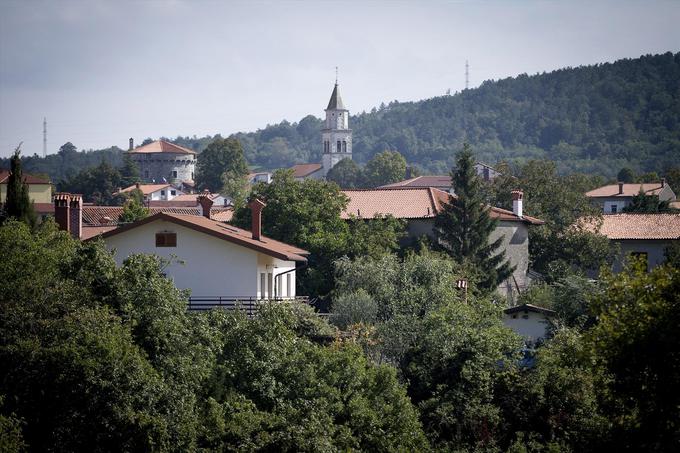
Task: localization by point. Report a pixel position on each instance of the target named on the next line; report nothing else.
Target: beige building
(420, 206)
(39, 191)
(614, 197)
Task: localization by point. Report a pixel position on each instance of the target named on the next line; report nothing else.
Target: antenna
(44, 137)
(336, 75)
(467, 75)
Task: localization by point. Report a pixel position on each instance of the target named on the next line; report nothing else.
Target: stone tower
(162, 161)
(336, 134)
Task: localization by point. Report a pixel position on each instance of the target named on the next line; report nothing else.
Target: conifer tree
(18, 203)
(464, 226)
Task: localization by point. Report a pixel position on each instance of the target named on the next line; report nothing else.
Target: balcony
(248, 304)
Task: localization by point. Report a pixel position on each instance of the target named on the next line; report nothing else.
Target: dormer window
(166, 239)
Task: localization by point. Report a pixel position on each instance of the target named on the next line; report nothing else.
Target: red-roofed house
(614, 197)
(420, 206)
(154, 192)
(644, 235)
(217, 262)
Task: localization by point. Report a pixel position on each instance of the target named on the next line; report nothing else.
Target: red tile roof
(629, 190)
(87, 232)
(28, 179)
(302, 170)
(410, 203)
(637, 226)
(222, 231)
(422, 181)
(108, 215)
(161, 146)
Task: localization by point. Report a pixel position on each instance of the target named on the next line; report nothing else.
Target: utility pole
(467, 75)
(44, 137)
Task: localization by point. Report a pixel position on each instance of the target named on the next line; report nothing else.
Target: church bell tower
(336, 134)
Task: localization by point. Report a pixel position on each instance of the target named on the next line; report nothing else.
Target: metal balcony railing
(250, 305)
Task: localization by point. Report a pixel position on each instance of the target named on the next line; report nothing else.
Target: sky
(104, 71)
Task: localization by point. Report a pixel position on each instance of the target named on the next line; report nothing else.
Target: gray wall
(162, 165)
(654, 249)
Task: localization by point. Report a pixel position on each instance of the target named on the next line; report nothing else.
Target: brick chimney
(206, 203)
(256, 207)
(517, 196)
(61, 210)
(132, 144)
(620, 188)
(76, 215)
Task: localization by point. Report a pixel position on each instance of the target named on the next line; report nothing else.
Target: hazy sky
(104, 71)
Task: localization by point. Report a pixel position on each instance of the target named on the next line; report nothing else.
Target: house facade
(420, 206)
(645, 236)
(154, 192)
(529, 321)
(613, 198)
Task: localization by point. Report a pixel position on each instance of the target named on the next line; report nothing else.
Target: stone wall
(173, 167)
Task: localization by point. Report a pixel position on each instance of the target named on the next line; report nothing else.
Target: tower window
(344, 146)
(174, 174)
(339, 146)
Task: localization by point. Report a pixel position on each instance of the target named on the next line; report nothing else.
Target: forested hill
(592, 119)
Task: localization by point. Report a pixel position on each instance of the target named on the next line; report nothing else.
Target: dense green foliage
(307, 214)
(221, 157)
(18, 204)
(133, 208)
(99, 184)
(464, 227)
(647, 203)
(98, 357)
(384, 168)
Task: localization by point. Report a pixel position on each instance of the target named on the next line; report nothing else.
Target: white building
(213, 259)
(529, 321)
(613, 198)
(336, 140)
(154, 192)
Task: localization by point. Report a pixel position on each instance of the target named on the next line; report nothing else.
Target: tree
(463, 228)
(346, 174)
(235, 186)
(385, 168)
(626, 175)
(638, 344)
(307, 214)
(17, 202)
(648, 203)
(133, 208)
(673, 178)
(129, 172)
(222, 155)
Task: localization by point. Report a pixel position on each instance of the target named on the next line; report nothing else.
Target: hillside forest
(590, 119)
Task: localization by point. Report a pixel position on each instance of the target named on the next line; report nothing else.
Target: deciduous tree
(222, 155)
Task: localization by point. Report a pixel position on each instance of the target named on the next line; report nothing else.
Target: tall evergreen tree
(464, 227)
(18, 203)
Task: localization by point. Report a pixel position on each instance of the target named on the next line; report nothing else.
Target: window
(614, 209)
(162, 193)
(192, 175)
(263, 285)
(174, 173)
(339, 147)
(344, 146)
(173, 192)
(166, 239)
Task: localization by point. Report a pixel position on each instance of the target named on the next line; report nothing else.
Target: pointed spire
(336, 101)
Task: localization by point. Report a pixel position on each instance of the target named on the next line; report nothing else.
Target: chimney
(256, 207)
(206, 203)
(132, 144)
(517, 196)
(620, 188)
(61, 210)
(663, 182)
(76, 215)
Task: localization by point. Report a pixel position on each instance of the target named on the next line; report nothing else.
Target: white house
(613, 198)
(154, 192)
(529, 321)
(217, 262)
